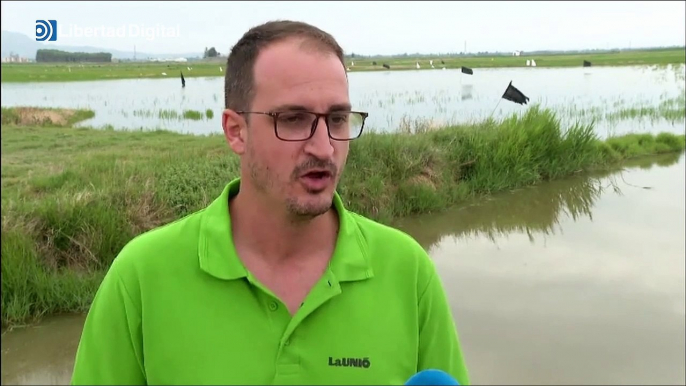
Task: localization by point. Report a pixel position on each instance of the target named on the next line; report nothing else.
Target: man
(275, 282)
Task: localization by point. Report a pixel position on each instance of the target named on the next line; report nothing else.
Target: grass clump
(391, 175)
(167, 114)
(192, 115)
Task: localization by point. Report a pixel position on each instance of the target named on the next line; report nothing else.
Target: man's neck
(276, 237)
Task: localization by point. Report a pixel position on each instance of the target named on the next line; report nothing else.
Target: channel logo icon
(46, 30)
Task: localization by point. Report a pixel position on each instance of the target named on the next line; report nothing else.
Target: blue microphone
(432, 377)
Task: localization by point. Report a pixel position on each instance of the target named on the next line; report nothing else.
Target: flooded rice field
(620, 99)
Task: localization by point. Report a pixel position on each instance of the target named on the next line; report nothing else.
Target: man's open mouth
(318, 174)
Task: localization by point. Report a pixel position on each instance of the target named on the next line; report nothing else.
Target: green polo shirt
(178, 307)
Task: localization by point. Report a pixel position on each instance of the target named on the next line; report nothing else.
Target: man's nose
(320, 144)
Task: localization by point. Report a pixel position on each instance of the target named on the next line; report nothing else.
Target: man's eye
(338, 118)
(292, 118)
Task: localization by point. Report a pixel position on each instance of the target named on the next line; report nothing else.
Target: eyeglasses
(301, 125)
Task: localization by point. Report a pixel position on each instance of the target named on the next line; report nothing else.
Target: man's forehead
(290, 60)
(288, 67)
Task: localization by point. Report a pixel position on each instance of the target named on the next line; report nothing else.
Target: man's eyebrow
(294, 107)
(340, 107)
(290, 107)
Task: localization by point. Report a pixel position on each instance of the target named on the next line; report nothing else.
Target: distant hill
(25, 46)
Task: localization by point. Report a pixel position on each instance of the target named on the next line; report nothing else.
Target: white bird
(528, 62)
(220, 69)
(164, 73)
(418, 65)
(188, 68)
(431, 62)
(533, 63)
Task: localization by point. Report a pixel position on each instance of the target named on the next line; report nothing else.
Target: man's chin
(310, 206)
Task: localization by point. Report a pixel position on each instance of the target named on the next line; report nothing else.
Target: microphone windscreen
(432, 377)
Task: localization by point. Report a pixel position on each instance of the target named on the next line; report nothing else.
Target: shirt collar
(218, 256)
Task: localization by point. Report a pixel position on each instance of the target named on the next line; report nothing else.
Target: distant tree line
(46, 56)
(500, 53)
(210, 53)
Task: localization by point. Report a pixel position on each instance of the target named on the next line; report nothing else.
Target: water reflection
(580, 281)
(536, 210)
(467, 90)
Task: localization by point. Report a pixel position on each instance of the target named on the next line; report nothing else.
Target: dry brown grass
(31, 116)
(28, 116)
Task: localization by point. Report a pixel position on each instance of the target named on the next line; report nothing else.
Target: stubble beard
(268, 184)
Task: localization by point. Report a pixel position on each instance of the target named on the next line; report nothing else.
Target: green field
(648, 57)
(73, 197)
(29, 72)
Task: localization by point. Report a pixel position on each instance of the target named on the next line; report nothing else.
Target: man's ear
(235, 130)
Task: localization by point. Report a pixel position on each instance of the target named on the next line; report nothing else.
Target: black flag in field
(386, 66)
(512, 94)
(468, 71)
(183, 81)
(587, 63)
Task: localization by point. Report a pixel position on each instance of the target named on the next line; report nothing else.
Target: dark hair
(239, 79)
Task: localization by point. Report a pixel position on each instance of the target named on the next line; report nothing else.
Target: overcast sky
(368, 27)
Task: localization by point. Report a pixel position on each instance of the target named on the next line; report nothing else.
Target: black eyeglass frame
(275, 116)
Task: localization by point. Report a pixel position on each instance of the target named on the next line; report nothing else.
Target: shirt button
(273, 306)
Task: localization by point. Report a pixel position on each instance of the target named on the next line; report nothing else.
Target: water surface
(579, 281)
(393, 98)
(42, 354)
